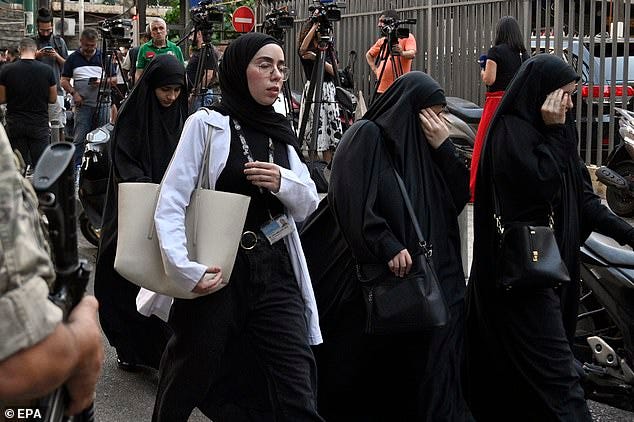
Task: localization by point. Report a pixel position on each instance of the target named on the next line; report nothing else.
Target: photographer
(403, 52)
(202, 94)
(329, 129)
(38, 352)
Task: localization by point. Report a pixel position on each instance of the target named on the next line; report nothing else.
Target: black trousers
(30, 140)
(262, 306)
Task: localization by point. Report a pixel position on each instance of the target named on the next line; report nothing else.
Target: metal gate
(452, 34)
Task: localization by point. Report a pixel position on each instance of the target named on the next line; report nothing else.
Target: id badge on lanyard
(277, 227)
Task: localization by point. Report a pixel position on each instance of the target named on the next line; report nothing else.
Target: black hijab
(146, 133)
(366, 199)
(536, 167)
(236, 98)
(536, 170)
(536, 78)
(143, 141)
(396, 113)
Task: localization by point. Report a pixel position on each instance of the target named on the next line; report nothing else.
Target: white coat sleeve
(297, 190)
(178, 184)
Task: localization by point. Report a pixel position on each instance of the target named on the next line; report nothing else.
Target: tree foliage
(225, 31)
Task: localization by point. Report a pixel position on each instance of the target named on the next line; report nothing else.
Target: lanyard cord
(246, 151)
(245, 147)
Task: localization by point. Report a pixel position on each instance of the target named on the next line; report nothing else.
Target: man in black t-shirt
(28, 87)
(52, 50)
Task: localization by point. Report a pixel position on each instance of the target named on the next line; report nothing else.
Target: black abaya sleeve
(127, 159)
(454, 173)
(597, 217)
(355, 182)
(527, 162)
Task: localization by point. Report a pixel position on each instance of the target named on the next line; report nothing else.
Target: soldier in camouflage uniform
(38, 352)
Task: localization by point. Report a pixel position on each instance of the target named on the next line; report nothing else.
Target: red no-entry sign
(243, 19)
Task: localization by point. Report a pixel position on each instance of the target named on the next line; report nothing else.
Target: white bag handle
(203, 179)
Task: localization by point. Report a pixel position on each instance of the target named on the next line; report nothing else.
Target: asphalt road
(126, 397)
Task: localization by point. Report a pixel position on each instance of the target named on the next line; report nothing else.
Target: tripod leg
(200, 80)
(307, 102)
(288, 103)
(317, 100)
(383, 57)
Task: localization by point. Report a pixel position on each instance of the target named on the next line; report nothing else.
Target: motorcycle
(462, 118)
(604, 338)
(618, 174)
(93, 182)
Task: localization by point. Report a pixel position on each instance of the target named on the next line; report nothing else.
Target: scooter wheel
(621, 202)
(90, 232)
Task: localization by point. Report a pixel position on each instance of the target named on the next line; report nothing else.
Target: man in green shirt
(159, 44)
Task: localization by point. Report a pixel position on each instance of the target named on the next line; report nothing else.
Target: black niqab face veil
(396, 113)
(536, 78)
(236, 98)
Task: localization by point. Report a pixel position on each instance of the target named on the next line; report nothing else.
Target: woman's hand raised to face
(554, 108)
(264, 175)
(434, 127)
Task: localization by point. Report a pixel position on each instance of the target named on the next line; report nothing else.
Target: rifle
(54, 183)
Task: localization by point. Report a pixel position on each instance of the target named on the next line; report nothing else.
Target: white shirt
(297, 193)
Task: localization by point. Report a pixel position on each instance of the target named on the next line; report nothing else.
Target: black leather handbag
(529, 257)
(407, 304)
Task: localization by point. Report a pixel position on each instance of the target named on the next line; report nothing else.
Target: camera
(205, 16)
(392, 30)
(116, 32)
(325, 12)
(277, 21)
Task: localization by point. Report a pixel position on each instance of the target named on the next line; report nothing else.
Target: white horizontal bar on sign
(243, 20)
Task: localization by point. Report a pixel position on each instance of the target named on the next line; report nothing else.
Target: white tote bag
(212, 239)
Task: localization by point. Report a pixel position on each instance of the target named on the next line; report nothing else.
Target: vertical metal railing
(451, 34)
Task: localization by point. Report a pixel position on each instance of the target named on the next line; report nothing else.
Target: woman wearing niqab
(143, 141)
(408, 376)
(520, 364)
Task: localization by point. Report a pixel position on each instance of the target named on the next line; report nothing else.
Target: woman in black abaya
(520, 364)
(143, 141)
(410, 376)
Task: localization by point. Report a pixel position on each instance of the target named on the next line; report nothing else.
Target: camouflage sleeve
(26, 314)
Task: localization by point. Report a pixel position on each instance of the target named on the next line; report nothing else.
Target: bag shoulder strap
(203, 174)
(497, 209)
(426, 247)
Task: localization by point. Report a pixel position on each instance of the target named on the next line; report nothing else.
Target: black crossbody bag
(528, 255)
(409, 304)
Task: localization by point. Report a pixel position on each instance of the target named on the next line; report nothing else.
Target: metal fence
(452, 34)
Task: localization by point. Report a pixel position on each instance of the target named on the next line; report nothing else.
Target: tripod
(315, 95)
(385, 54)
(279, 34)
(109, 58)
(203, 78)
